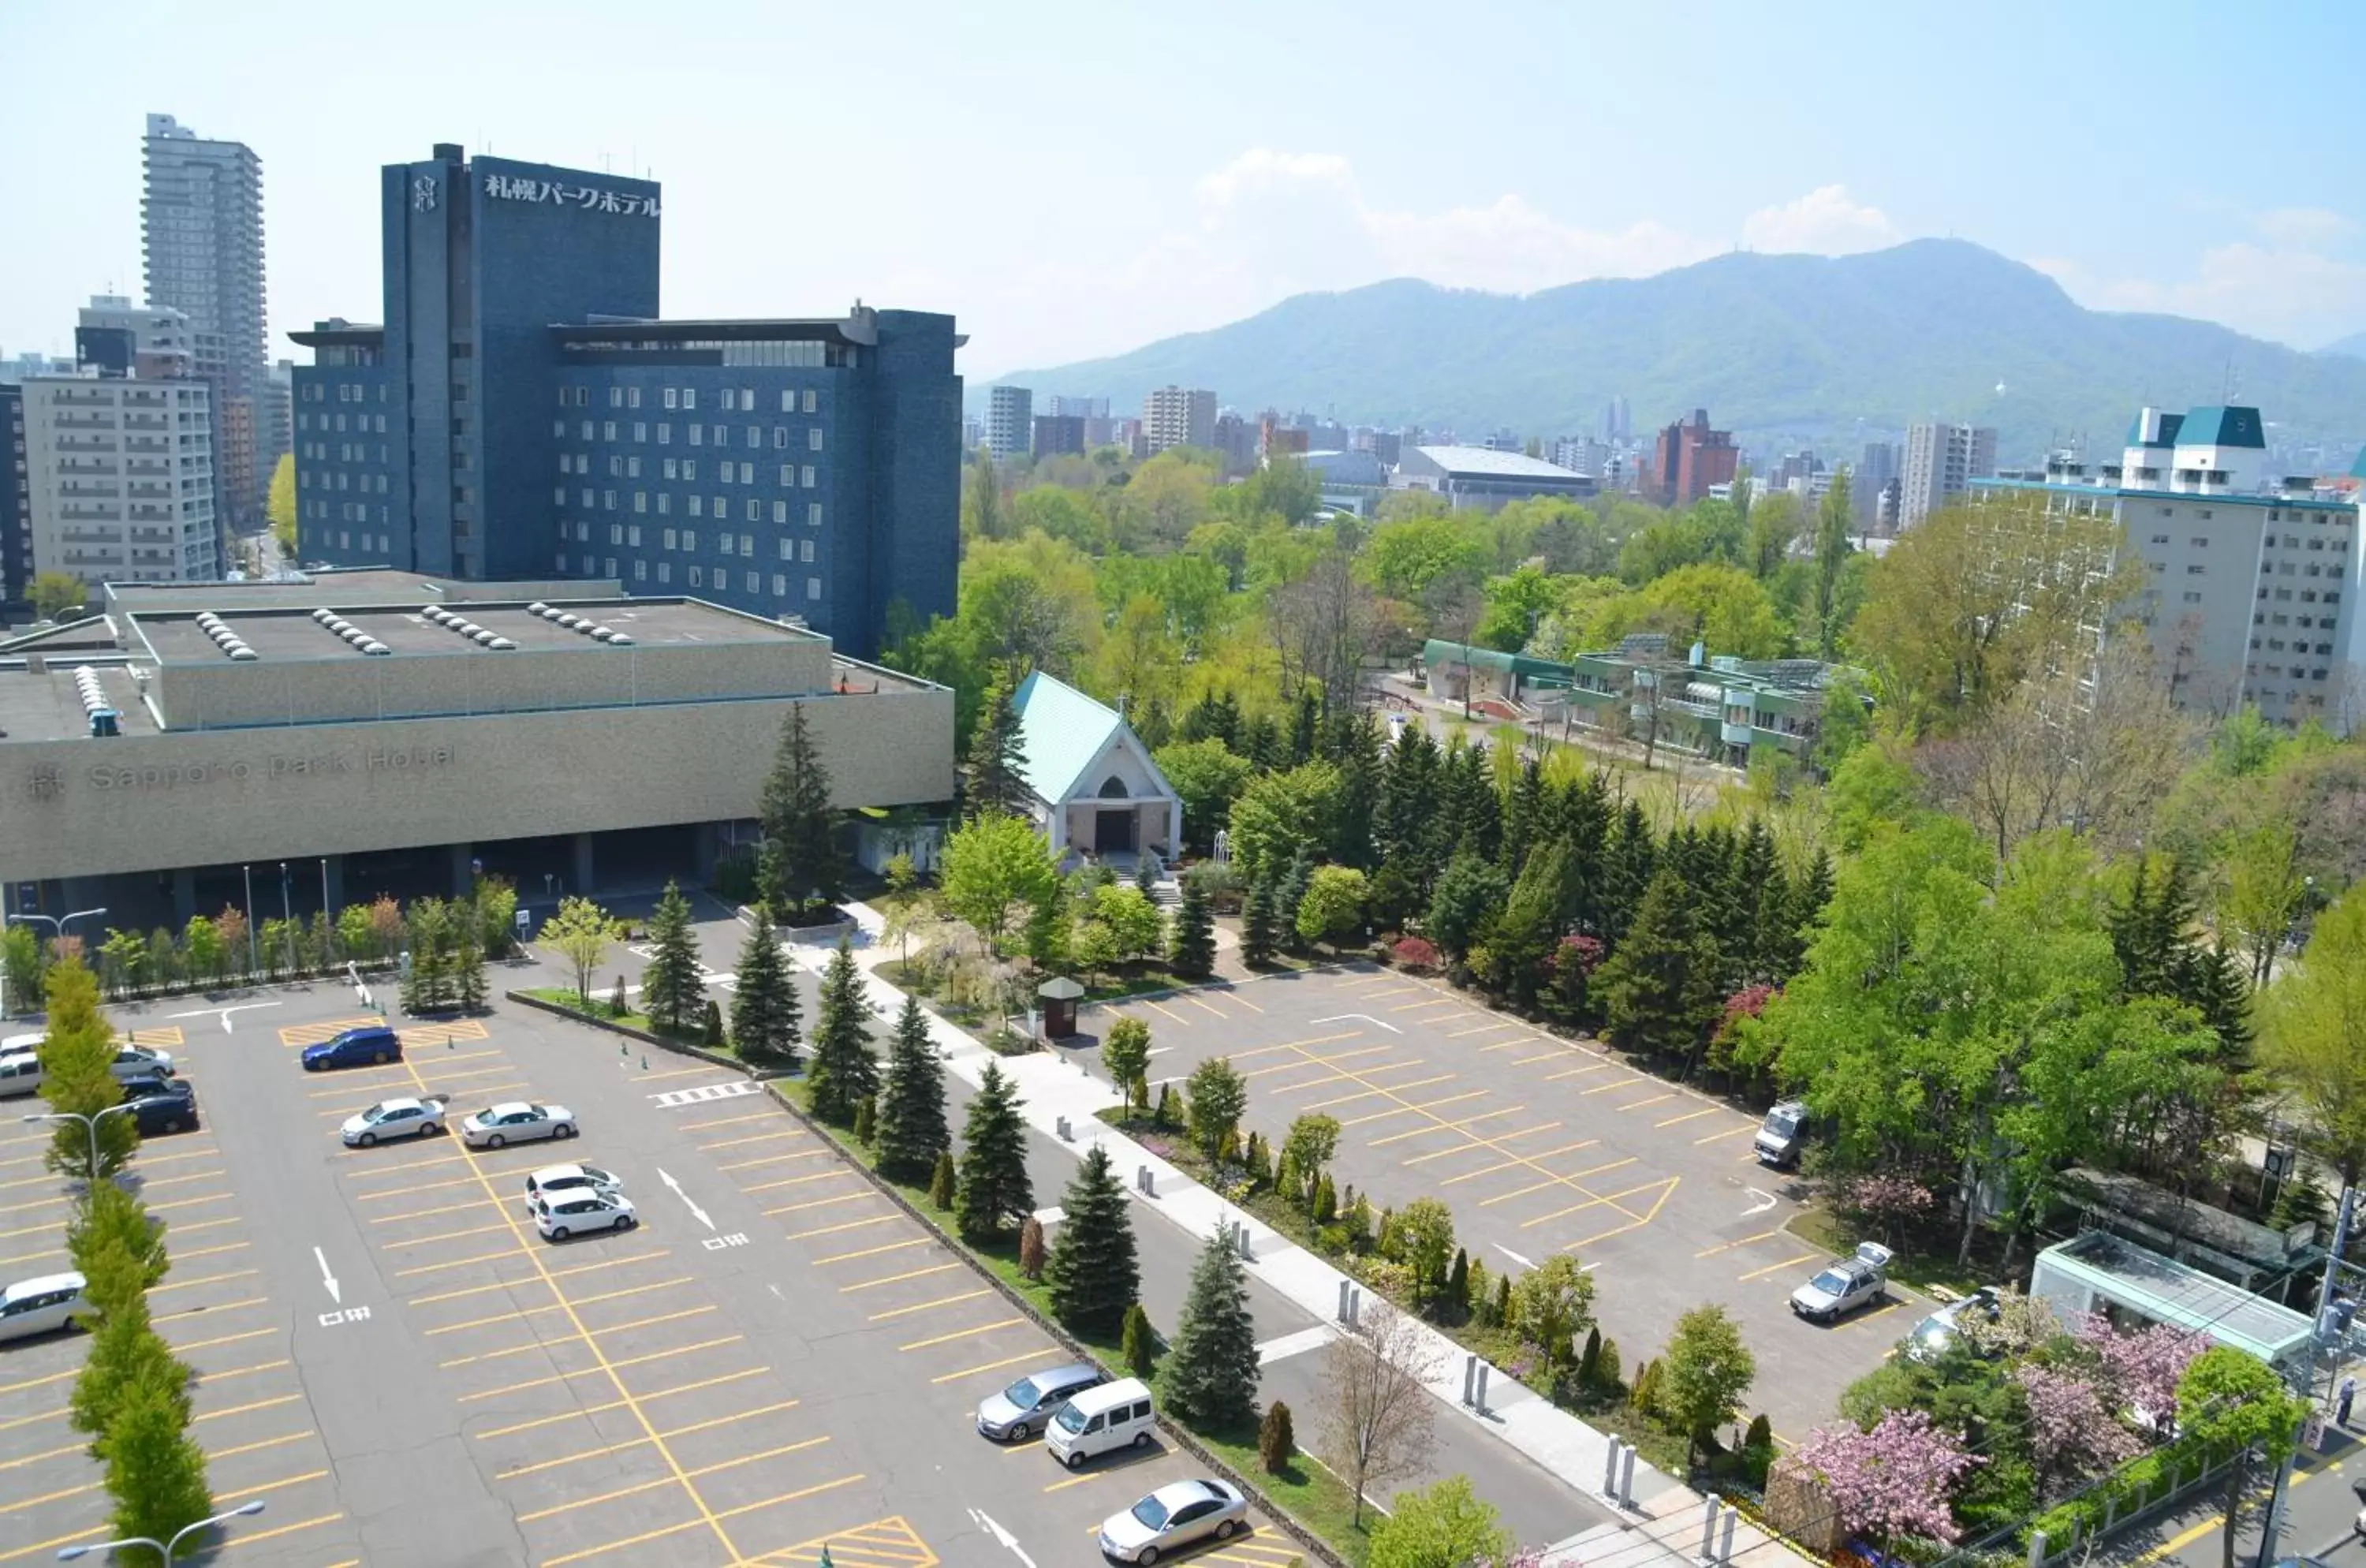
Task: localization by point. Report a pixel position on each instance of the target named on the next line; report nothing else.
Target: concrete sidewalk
(1666, 1524)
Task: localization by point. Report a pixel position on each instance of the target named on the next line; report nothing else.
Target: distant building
(1888, 506)
(1941, 460)
(1478, 477)
(1688, 458)
(1503, 441)
(1236, 438)
(1096, 789)
(1582, 454)
(1617, 421)
(1793, 465)
(1056, 435)
(1876, 465)
(1349, 481)
(1275, 438)
(1077, 408)
(119, 473)
(113, 337)
(1009, 416)
(16, 499)
(1388, 445)
(26, 366)
(1100, 431)
(1178, 416)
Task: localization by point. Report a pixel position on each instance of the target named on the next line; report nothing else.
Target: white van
(20, 1073)
(1114, 1416)
(42, 1306)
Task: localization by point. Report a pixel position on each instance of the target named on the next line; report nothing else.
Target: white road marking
(696, 1212)
(986, 1522)
(223, 1013)
(1283, 1346)
(1050, 1216)
(673, 1098)
(1765, 1202)
(1367, 1018)
(327, 1278)
(1514, 1256)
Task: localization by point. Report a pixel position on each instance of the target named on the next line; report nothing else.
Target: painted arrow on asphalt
(327, 1278)
(696, 1212)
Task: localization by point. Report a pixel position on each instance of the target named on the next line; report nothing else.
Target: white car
(1177, 1515)
(573, 1213)
(20, 1073)
(38, 1306)
(393, 1119)
(1845, 1285)
(553, 1182)
(516, 1122)
(140, 1062)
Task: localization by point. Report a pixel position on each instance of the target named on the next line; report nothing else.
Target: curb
(1313, 1545)
(679, 1047)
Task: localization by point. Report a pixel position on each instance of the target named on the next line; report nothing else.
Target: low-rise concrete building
(1481, 476)
(1096, 790)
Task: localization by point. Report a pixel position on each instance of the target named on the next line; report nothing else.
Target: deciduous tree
(155, 1471)
(1334, 906)
(78, 1079)
(1443, 1525)
(992, 867)
(1378, 1425)
(1704, 1374)
(1218, 1096)
(1125, 1056)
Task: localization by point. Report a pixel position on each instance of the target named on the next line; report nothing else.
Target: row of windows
(693, 506)
(347, 511)
(347, 392)
(793, 475)
(727, 398)
(2263, 619)
(2308, 595)
(686, 541)
(379, 542)
(2276, 645)
(340, 480)
(362, 421)
(694, 576)
(695, 434)
(347, 452)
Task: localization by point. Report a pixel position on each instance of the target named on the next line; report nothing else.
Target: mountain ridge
(1803, 347)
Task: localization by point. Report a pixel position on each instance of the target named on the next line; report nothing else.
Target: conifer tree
(1211, 1375)
(673, 988)
(912, 1132)
(1092, 1269)
(1658, 991)
(1290, 892)
(1138, 1346)
(1191, 953)
(799, 867)
(1259, 924)
(942, 1182)
(996, 785)
(844, 1072)
(995, 1193)
(766, 1016)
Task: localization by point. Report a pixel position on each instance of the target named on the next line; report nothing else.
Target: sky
(1075, 180)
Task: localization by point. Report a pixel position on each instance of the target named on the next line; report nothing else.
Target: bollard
(623, 1049)
(2036, 1548)
(1469, 1372)
(1354, 1306)
(1708, 1525)
(1343, 1300)
(645, 1061)
(1480, 1402)
(1246, 1253)
(1610, 1467)
(1149, 1182)
(1725, 1537)
(1626, 1477)
(1065, 1137)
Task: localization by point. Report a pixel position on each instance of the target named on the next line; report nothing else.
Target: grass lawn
(1924, 1271)
(1310, 1493)
(560, 995)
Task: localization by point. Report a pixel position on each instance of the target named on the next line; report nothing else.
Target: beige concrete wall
(82, 807)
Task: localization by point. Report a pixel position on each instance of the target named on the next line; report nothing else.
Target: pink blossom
(2140, 1371)
(2070, 1427)
(1896, 1478)
(1585, 952)
(1417, 953)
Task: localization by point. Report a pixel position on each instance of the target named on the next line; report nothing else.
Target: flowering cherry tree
(2140, 1371)
(1896, 1478)
(2072, 1428)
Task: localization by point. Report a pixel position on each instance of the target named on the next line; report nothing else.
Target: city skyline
(1263, 194)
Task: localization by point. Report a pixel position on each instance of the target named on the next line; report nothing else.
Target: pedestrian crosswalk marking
(673, 1098)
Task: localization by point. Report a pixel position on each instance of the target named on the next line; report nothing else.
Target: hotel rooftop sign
(508, 188)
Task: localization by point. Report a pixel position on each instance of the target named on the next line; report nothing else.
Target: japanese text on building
(509, 188)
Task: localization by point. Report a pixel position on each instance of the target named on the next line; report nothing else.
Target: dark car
(365, 1047)
(161, 1105)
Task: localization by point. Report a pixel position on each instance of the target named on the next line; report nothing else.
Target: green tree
(799, 866)
(942, 1182)
(78, 1079)
(766, 1016)
(1276, 1440)
(1125, 1056)
(844, 1072)
(1704, 1374)
(2313, 1032)
(1211, 1372)
(1468, 891)
(467, 972)
(1191, 949)
(995, 1190)
(55, 593)
(1424, 1234)
(1138, 1344)
(20, 964)
(1092, 1269)
(1258, 920)
(912, 1131)
(112, 1220)
(1207, 777)
(1333, 905)
(1443, 1525)
(1281, 813)
(1658, 991)
(279, 505)
(1130, 917)
(2229, 1402)
(673, 986)
(998, 780)
(1552, 1302)
(125, 1348)
(992, 867)
(1308, 1150)
(1834, 516)
(155, 1471)
(201, 941)
(1218, 1096)
(121, 957)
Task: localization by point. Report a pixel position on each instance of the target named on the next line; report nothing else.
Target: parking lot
(1539, 1145)
(774, 1360)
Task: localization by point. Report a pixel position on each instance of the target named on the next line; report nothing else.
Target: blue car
(365, 1047)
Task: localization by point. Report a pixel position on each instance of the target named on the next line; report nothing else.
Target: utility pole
(2326, 1322)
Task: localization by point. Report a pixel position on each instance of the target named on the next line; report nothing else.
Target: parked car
(160, 1106)
(370, 1045)
(140, 1062)
(1177, 1515)
(1842, 1286)
(573, 1213)
(1020, 1411)
(391, 1119)
(130, 1090)
(1782, 1135)
(20, 1073)
(42, 1306)
(1932, 1336)
(514, 1121)
(1113, 1415)
(553, 1182)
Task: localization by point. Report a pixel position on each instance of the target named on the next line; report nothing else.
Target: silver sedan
(516, 1122)
(1175, 1516)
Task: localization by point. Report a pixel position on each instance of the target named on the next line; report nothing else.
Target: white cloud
(2291, 293)
(2309, 226)
(1825, 221)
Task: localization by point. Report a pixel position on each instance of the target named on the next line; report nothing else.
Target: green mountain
(1774, 346)
(2354, 344)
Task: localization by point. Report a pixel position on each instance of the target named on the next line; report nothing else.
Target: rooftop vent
(376, 649)
(570, 622)
(502, 643)
(618, 639)
(537, 608)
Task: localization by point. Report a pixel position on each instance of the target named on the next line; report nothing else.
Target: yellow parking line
(1777, 1268)
(754, 1138)
(1423, 1109)
(221, 1339)
(1861, 1320)
(1576, 1072)
(1593, 1203)
(594, 1372)
(800, 1180)
(1745, 1241)
(1547, 1056)
(537, 1311)
(459, 1262)
(927, 1306)
(206, 1279)
(874, 1251)
(1609, 1087)
(540, 1277)
(258, 1447)
(1441, 1154)
(848, 1225)
(731, 1121)
(423, 1186)
(251, 1537)
(1598, 1169)
(963, 1334)
(491, 1088)
(1515, 1044)
(604, 1450)
(987, 1367)
(769, 1159)
(273, 1404)
(1232, 994)
(424, 1214)
(889, 1280)
(1432, 1002)
(33, 1256)
(1203, 1006)
(682, 1073)
(667, 1481)
(379, 1172)
(401, 1077)
(1451, 1126)
(1295, 1044)
(575, 1338)
(210, 1311)
(1729, 1132)
(822, 1202)
(1525, 1131)
(810, 1153)
(1163, 1012)
(1638, 1104)
(440, 1238)
(1483, 1027)
(1519, 1192)
(1687, 1116)
(1317, 1061)
(621, 1403)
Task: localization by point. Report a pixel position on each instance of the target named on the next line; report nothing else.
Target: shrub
(616, 1006)
(1276, 1443)
(1138, 1342)
(1166, 1115)
(1608, 1380)
(1645, 1395)
(1589, 1361)
(1030, 1248)
(866, 1117)
(940, 1183)
(1417, 954)
(712, 1033)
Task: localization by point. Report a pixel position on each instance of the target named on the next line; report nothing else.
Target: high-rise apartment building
(1058, 407)
(1688, 460)
(1009, 421)
(201, 222)
(1177, 416)
(16, 499)
(115, 337)
(1876, 465)
(120, 477)
(523, 412)
(1058, 434)
(1941, 460)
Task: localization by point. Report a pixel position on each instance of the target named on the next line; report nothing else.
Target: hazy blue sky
(1074, 180)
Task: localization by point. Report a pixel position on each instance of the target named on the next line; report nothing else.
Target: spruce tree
(1092, 1269)
(766, 1017)
(799, 867)
(942, 1182)
(155, 1471)
(1138, 1344)
(912, 1131)
(1191, 953)
(995, 1190)
(844, 1072)
(1658, 991)
(673, 988)
(1259, 924)
(1210, 1375)
(996, 785)
(1290, 892)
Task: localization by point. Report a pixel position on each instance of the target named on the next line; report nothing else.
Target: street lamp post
(90, 1124)
(165, 1549)
(287, 917)
(57, 924)
(248, 872)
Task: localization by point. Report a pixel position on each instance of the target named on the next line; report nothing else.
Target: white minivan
(1114, 1416)
(38, 1306)
(20, 1073)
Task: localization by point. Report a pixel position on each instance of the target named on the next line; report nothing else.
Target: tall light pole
(90, 1124)
(57, 924)
(248, 872)
(287, 917)
(164, 1550)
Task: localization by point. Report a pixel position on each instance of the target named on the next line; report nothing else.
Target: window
(607, 500)
(722, 436)
(688, 541)
(562, 396)
(616, 533)
(812, 401)
(665, 505)
(755, 437)
(633, 401)
(813, 439)
(665, 571)
(805, 550)
(698, 506)
(665, 435)
(2196, 570)
(583, 534)
(690, 397)
(780, 512)
(690, 467)
(722, 506)
(2193, 598)
(640, 429)
(669, 539)
(673, 398)
(722, 472)
(640, 571)
(812, 515)
(633, 536)
(564, 463)
(747, 544)
(640, 501)
(698, 435)
(752, 582)
(672, 469)
(2163, 538)
(615, 467)
(697, 577)
(608, 567)
(559, 495)
(813, 587)
(607, 430)
(586, 494)
(587, 430)
(780, 434)
(780, 582)
(788, 474)
(632, 467)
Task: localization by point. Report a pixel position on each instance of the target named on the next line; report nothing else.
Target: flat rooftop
(47, 705)
(408, 631)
